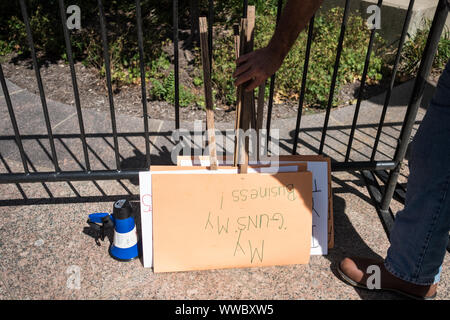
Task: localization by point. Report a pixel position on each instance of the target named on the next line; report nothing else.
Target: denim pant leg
(420, 233)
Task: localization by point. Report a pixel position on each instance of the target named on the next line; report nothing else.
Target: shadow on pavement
(348, 243)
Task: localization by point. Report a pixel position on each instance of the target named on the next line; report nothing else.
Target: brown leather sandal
(353, 272)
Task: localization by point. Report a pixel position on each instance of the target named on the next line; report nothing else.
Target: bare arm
(258, 65)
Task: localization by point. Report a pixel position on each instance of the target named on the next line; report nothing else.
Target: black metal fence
(386, 171)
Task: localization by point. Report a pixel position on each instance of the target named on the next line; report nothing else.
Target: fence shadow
(335, 147)
(133, 156)
(39, 157)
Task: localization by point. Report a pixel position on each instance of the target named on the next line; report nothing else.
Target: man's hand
(256, 67)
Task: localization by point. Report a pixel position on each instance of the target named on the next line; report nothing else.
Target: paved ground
(44, 244)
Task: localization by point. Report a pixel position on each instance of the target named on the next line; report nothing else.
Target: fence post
(415, 100)
(40, 85)
(394, 73)
(176, 65)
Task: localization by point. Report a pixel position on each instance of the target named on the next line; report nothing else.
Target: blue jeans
(420, 233)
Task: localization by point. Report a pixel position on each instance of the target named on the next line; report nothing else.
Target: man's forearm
(296, 15)
(256, 66)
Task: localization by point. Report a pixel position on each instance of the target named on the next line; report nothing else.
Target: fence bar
(386, 217)
(68, 176)
(335, 72)
(272, 83)
(108, 81)
(176, 64)
(13, 121)
(40, 86)
(75, 135)
(62, 10)
(244, 9)
(362, 165)
(143, 87)
(394, 73)
(303, 89)
(400, 190)
(35, 171)
(210, 31)
(8, 169)
(416, 97)
(133, 174)
(361, 89)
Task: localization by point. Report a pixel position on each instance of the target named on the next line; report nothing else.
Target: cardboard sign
(208, 221)
(146, 195)
(322, 225)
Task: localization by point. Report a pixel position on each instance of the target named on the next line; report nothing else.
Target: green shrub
(413, 50)
(164, 90)
(157, 20)
(46, 37)
(46, 26)
(323, 54)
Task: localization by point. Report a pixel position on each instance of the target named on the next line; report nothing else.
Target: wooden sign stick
(253, 111)
(238, 146)
(260, 107)
(248, 109)
(203, 26)
(237, 124)
(260, 114)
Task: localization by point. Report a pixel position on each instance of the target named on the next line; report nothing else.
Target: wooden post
(247, 107)
(208, 92)
(260, 115)
(237, 125)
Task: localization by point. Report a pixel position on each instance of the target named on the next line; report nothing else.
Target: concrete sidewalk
(44, 244)
(392, 15)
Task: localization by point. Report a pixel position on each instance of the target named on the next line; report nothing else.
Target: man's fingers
(244, 58)
(255, 83)
(243, 78)
(241, 69)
